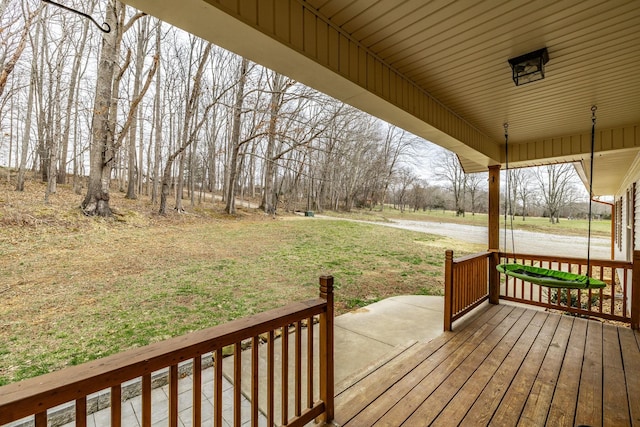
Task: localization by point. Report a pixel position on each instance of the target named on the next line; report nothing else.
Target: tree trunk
(158, 125)
(180, 185)
(269, 167)
(27, 125)
(187, 138)
(235, 139)
(74, 81)
(8, 68)
(101, 154)
(141, 47)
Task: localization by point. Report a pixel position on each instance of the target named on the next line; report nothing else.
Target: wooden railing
(465, 284)
(611, 302)
(311, 401)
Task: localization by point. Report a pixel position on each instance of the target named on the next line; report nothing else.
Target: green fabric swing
(545, 276)
(550, 278)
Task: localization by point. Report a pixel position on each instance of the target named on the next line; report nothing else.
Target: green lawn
(73, 297)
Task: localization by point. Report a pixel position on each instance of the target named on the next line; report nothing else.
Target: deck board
(484, 407)
(475, 362)
(565, 397)
(515, 398)
(536, 408)
(508, 366)
(631, 364)
(591, 379)
(414, 398)
(614, 394)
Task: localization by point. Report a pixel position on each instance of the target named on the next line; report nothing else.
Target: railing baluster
(310, 362)
(217, 388)
(326, 349)
(298, 369)
(81, 412)
(173, 396)
(254, 381)
(237, 384)
(285, 375)
(624, 293)
(612, 287)
(41, 419)
(116, 406)
(196, 414)
(146, 400)
(270, 380)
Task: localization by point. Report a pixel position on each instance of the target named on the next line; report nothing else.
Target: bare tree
(157, 112)
(74, 82)
(26, 137)
(404, 181)
(522, 190)
(475, 183)
(450, 171)
(141, 48)
(235, 137)
(190, 129)
(103, 147)
(12, 52)
(556, 184)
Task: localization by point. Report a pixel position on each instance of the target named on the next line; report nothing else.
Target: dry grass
(76, 288)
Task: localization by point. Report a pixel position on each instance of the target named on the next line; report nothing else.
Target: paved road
(525, 241)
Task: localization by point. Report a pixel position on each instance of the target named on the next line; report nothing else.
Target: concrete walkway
(363, 338)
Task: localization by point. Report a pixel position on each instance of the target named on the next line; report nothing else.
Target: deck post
(494, 233)
(635, 292)
(448, 289)
(326, 349)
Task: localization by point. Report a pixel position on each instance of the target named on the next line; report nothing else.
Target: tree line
(551, 191)
(153, 111)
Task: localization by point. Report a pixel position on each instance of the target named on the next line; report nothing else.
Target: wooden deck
(506, 365)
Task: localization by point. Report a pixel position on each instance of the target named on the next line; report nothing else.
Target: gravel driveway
(525, 241)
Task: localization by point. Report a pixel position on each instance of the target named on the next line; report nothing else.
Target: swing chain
(593, 138)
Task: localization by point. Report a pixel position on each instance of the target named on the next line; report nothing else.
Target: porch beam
(573, 147)
(494, 233)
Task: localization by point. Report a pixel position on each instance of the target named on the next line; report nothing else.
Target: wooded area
(152, 111)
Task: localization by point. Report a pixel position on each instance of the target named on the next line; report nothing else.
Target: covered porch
(496, 362)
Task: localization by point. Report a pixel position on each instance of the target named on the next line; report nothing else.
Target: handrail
(36, 395)
(466, 285)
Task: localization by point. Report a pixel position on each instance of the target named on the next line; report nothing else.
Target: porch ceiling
(439, 68)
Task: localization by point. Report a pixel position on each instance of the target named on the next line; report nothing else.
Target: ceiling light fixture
(529, 67)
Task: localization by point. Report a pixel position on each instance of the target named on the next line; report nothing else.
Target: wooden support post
(326, 349)
(448, 289)
(635, 292)
(494, 233)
